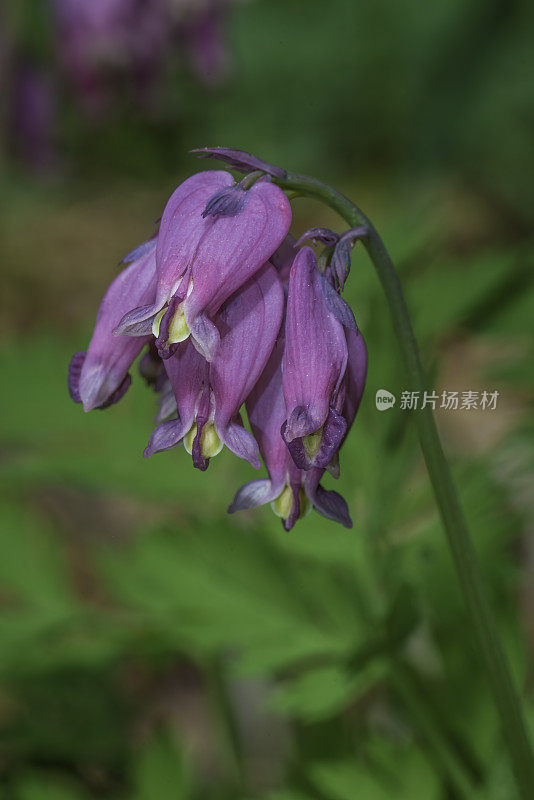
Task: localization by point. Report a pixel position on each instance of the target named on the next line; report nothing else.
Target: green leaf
(445, 295)
(220, 587)
(42, 787)
(161, 771)
(325, 692)
(33, 563)
(407, 775)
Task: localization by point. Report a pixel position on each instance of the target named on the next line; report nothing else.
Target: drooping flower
(100, 377)
(222, 329)
(213, 237)
(313, 368)
(290, 490)
(209, 395)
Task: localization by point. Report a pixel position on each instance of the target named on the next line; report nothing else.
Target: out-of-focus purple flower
(111, 47)
(100, 377)
(291, 491)
(209, 396)
(105, 43)
(204, 256)
(314, 364)
(205, 41)
(33, 116)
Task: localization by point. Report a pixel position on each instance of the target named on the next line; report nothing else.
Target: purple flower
(100, 377)
(101, 42)
(314, 364)
(283, 258)
(231, 312)
(213, 237)
(206, 44)
(291, 491)
(33, 116)
(355, 376)
(209, 395)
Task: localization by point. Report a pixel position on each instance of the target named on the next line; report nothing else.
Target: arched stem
(462, 549)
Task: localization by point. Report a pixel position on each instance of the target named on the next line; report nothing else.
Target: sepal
(239, 160)
(228, 202)
(323, 235)
(337, 306)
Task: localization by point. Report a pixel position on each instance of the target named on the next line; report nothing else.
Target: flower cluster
(232, 312)
(107, 55)
(107, 47)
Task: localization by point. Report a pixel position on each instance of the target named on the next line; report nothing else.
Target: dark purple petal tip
(294, 515)
(75, 369)
(253, 494)
(337, 306)
(140, 251)
(199, 460)
(239, 160)
(119, 392)
(334, 430)
(137, 322)
(227, 202)
(299, 423)
(297, 451)
(323, 235)
(331, 505)
(331, 436)
(341, 255)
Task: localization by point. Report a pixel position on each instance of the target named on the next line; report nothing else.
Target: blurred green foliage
(152, 647)
(405, 89)
(134, 611)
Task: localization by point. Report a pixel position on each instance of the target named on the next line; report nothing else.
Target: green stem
(462, 549)
(228, 725)
(432, 735)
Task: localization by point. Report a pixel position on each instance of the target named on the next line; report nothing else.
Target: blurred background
(151, 647)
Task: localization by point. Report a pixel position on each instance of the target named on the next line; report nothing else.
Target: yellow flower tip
(312, 443)
(178, 330)
(210, 443)
(283, 505)
(157, 321)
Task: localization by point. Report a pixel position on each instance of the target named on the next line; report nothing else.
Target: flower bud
(314, 363)
(100, 377)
